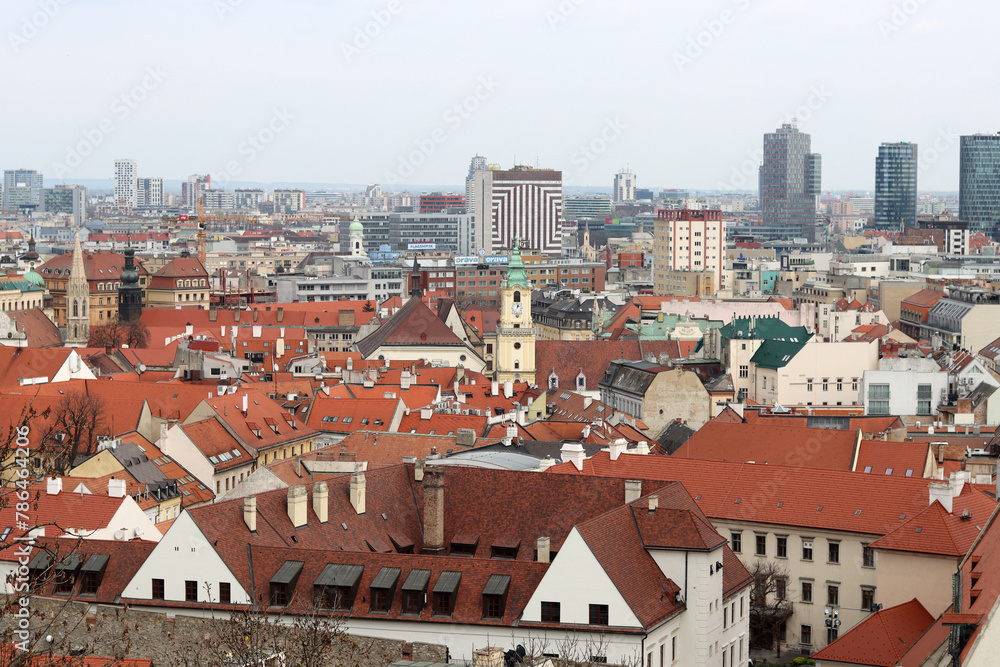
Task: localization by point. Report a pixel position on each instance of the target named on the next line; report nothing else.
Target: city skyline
(305, 110)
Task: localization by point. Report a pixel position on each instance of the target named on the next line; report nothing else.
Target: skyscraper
(150, 191)
(789, 182)
(478, 163)
(624, 186)
(896, 186)
(523, 203)
(22, 189)
(126, 184)
(979, 182)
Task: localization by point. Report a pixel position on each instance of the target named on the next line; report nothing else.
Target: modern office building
(478, 163)
(979, 182)
(624, 186)
(896, 186)
(400, 230)
(440, 202)
(790, 182)
(68, 199)
(596, 207)
(691, 241)
(22, 190)
(126, 183)
(522, 203)
(150, 191)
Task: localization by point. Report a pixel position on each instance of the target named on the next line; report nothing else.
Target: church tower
(515, 355)
(129, 292)
(357, 236)
(77, 300)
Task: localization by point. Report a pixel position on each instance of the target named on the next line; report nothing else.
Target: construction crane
(202, 245)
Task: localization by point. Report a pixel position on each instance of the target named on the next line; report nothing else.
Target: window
(833, 595)
(492, 606)
(91, 581)
(760, 548)
(878, 399)
(807, 591)
(736, 542)
(809, 384)
(191, 591)
(157, 589)
(807, 550)
(442, 604)
(673, 648)
(782, 548)
(780, 588)
(807, 634)
(834, 552)
(65, 581)
(868, 556)
(867, 597)
(744, 371)
(381, 598)
(598, 614)
(413, 602)
(826, 384)
(550, 612)
(923, 399)
(840, 384)
(225, 592)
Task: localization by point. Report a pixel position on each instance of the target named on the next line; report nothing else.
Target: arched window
(517, 297)
(76, 311)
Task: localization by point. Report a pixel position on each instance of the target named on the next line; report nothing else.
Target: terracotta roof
(880, 457)
(40, 329)
(882, 639)
(591, 357)
(413, 325)
(182, 267)
(345, 415)
(934, 530)
(65, 510)
(29, 362)
(100, 265)
(441, 423)
(924, 298)
(771, 443)
(384, 449)
(212, 439)
(228, 409)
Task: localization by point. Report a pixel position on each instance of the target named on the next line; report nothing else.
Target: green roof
(764, 328)
(516, 275)
(776, 354)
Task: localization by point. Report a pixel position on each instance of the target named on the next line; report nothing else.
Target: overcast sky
(408, 91)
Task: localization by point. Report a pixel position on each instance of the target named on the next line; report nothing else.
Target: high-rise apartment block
(624, 186)
(67, 199)
(22, 190)
(192, 188)
(789, 182)
(979, 182)
(688, 241)
(896, 186)
(150, 192)
(289, 201)
(126, 183)
(521, 203)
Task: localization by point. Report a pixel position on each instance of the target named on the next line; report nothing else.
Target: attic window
(819, 509)
(909, 472)
(347, 420)
(857, 512)
(464, 545)
(918, 529)
(236, 453)
(888, 471)
(331, 419)
(868, 468)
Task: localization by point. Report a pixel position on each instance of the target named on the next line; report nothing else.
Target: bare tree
(769, 604)
(117, 333)
(72, 429)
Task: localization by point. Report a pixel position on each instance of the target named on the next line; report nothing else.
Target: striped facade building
(521, 203)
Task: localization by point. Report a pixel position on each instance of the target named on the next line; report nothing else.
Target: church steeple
(129, 293)
(515, 357)
(415, 279)
(516, 274)
(77, 299)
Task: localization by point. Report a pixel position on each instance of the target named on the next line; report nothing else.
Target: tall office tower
(624, 186)
(789, 182)
(896, 186)
(68, 199)
(979, 182)
(192, 188)
(521, 203)
(150, 191)
(478, 163)
(22, 189)
(126, 183)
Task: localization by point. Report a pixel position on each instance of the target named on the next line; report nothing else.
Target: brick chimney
(321, 501)
(297, 505)
(544, 549)
(433, 511)
(633, 490)
(250, 513)
(358, 485)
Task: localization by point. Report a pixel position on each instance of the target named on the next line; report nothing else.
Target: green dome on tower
(35, 279)
(357, 227)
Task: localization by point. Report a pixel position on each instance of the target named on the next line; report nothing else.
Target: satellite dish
(138, 531)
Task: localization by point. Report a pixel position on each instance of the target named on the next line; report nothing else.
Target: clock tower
(515, 355)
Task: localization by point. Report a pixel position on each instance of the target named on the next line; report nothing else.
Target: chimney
(116, 488)
(418, 471)
(433, 511)
(256, 328)
(426, 413)
(633, 489)
(958, 480)
(246, 405)
(281, 314)
(941, 492)
(281, 332)
(546, 463)
(511, 431)
(358, 491)
(508, 389)
(404, 380)
(465, 437)
(53, 486)
(573, 453)
(544, 549)
(321, 501)
(654, 502)
(250, 513)
(297, 505)
(495, 388)
(618, 448)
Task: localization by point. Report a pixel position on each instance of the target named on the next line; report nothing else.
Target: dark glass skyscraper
(896, 186)
(979, 182)
(789, 182)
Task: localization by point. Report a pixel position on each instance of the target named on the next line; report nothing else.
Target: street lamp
(832, 618)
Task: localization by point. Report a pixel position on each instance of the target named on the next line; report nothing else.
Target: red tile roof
(924, 298)
(441, 423)
(770, 443)
(882, 639)
(40, 329)
(591, 357)
(412, 325)
(345, 415)
(934, 530)
(880, 457)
